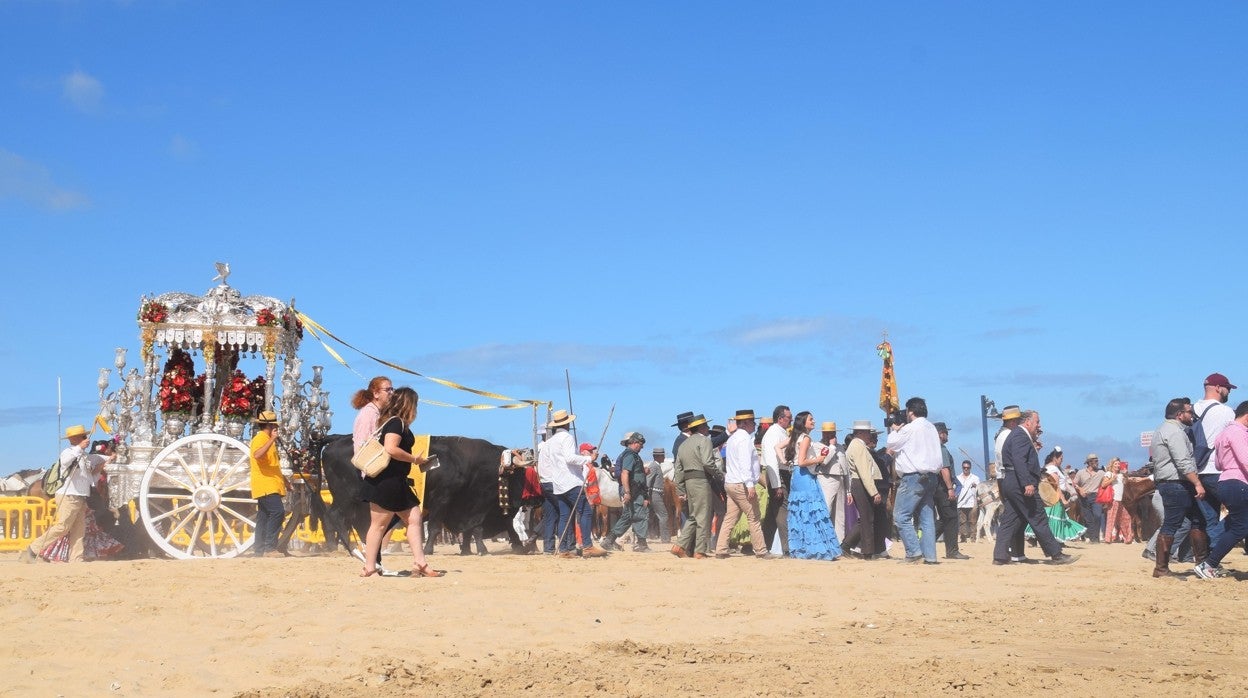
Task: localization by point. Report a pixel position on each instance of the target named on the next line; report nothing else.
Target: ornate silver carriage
(188, 473)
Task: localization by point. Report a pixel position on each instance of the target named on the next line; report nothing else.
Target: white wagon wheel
(195, 497)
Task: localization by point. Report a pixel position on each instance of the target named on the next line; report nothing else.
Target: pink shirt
(1232, 452)
(365, 424)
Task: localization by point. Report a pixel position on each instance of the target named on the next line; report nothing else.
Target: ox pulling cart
(188, 472)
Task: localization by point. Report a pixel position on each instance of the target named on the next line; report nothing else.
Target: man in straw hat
(268, 485)
(833, 477)
(1087, 484)
(741, 472)
(71, 508)
(1020, 497)
(695, 466)
(867, 486)
(559, 464)
(634, 496)
(1011, 416)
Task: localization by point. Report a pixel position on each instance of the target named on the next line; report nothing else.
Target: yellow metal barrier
(23, 519)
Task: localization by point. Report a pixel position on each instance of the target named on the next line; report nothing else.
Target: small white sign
(1146, 439)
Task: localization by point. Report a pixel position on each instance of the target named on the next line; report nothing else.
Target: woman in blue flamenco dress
(811, 535)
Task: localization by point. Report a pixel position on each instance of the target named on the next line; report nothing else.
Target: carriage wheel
(195, 497)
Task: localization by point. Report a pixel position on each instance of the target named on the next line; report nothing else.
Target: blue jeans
(1211, 506)
(269, 517)
(565, 529)
(1235, 496)
(1093, 517)
(585, 519)
(916, 494)
(1178, 497)
(550, 517)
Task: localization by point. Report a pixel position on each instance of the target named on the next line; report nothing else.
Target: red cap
(587, 448)
(1219, 380)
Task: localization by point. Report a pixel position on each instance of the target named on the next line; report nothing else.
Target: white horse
(989, 496)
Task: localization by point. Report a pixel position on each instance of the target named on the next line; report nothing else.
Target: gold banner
(313, 327)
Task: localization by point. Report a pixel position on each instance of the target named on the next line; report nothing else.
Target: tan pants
(71, 518)
(739, 502)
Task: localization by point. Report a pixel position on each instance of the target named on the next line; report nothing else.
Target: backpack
(617, 468)
(1200, 445)
(55, 476)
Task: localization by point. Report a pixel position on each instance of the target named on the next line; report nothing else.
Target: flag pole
(568, 377)
(58, 415)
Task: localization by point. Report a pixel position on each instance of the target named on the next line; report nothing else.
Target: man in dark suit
(1020, 500)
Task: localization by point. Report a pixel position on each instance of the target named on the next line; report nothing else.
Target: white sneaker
(1206, 571)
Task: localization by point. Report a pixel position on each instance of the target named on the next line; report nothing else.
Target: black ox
(462, 493)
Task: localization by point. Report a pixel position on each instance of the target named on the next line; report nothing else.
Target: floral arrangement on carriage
(241, 399)
(181, 392)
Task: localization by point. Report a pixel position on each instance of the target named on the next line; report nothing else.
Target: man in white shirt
(741, 473)
(916, 448)
(1010, 418)
(833, 477)
(1212, 415)
(968, 496)
(71, 507)
(563, 468)
(775, 519)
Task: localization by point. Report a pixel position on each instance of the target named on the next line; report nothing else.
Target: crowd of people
(766, 488)
(794, 492)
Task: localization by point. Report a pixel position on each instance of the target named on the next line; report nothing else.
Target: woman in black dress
(388, 493)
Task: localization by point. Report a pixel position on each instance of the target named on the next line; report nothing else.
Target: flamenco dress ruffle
(1060, 524)
(96, 544)
(811, 535)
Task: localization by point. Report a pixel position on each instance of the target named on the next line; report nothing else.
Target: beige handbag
(372, 458)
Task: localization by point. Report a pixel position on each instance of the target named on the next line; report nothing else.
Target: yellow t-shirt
(266, 471)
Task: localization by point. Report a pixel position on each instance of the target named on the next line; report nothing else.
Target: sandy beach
(632, 624)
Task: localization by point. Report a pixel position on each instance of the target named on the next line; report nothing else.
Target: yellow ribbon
(516, 403)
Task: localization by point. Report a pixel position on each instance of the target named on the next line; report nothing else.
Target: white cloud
(83, 91)
(183, 148)
(777, 331)
(31, 182)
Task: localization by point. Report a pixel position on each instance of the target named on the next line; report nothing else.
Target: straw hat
(743, 415)
(695, 421)
(76, 430)
(861, 425)
(1011, 412)
(561, 418)
(266, 417)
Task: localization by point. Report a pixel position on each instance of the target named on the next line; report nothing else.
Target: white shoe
(1206, 571)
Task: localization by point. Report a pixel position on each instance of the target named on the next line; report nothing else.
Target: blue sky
(702, 206)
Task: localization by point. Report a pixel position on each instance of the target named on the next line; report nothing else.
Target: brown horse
(1137, 499)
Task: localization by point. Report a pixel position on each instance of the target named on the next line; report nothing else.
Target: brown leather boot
(1163, 556)
(1200, 545)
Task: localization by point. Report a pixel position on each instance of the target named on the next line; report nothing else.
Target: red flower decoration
(266, 318)
(241, 396)
(153, 311)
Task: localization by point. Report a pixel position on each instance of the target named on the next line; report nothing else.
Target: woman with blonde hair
(388, 493)
(1118, 524)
